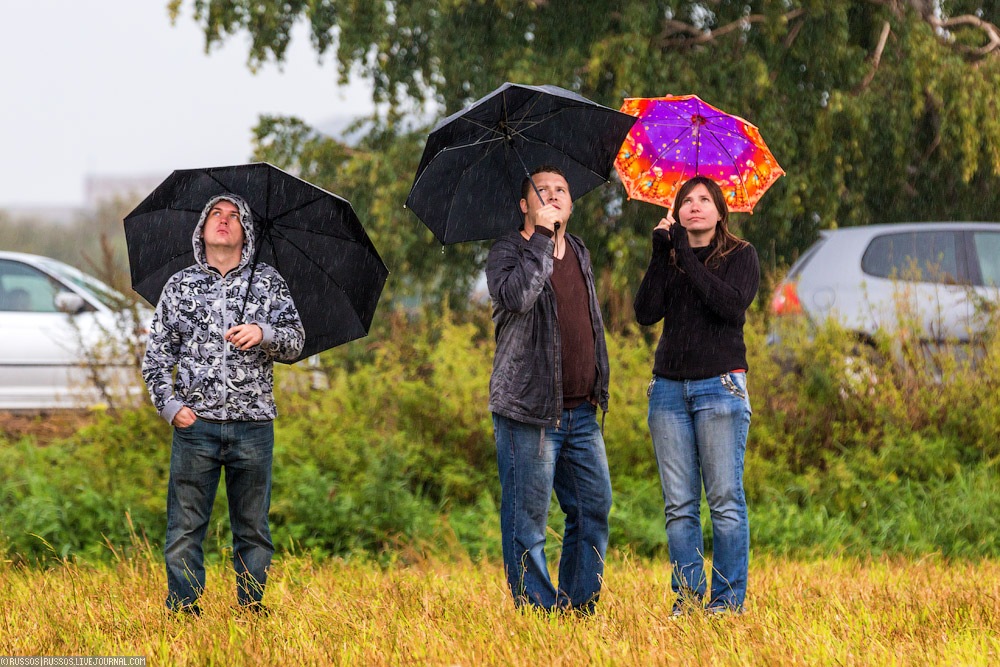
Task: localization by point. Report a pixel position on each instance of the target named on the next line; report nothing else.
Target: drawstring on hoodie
(247, 223)
(253, 268)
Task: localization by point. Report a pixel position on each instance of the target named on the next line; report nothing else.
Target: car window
(26, 289)
(915, 256)
(988, 251)
(106, 295)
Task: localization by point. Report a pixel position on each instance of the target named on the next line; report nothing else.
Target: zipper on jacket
(556, 355)
(225, 351)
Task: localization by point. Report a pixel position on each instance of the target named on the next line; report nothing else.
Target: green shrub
(857, 448)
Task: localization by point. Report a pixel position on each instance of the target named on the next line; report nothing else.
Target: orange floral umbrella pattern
(678, 137)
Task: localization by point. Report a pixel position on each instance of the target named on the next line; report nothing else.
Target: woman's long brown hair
(723, 241)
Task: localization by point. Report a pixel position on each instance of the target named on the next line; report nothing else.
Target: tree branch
(793, 33)
(673, 27)
(968, 19)
(876, 58)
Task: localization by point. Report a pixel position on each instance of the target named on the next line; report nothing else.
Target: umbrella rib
(182, 210)
(269, 236)
(516, 130)
(540, 141)
(316, 232)
(229, 189)
(670, 109)
(321, 268)
(738, 175)
(721, 129)
(506, 175)
(297, 208)
(527, 125)
(465, 171)
(538, 98)
(479, 141)
(488, 128)
(668, 122)
(461, 176)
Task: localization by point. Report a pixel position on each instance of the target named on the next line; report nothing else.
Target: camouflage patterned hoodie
(197, 306)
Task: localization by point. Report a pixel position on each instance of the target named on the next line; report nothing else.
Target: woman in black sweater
(700, 281)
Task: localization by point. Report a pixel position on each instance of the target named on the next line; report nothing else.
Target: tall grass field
(831, 611)
(871, 477)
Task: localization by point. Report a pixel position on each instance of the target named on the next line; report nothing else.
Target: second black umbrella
(468, 183)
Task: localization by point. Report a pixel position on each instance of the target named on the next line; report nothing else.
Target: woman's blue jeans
(699, 430)
(197, 457)
(571, 459)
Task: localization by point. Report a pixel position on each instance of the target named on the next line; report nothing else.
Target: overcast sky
(109, 87)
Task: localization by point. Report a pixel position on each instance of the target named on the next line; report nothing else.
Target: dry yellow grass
(833, 611)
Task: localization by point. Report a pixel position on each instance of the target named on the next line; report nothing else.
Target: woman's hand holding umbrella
(662, 243)
(665, 222)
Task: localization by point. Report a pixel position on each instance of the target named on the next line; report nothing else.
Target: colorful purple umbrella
(678, 137)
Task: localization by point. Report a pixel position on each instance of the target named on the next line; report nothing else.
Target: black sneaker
(186, 610)
(254, 609)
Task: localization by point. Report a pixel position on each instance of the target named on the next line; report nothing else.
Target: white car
(65, 341)
(941, 278)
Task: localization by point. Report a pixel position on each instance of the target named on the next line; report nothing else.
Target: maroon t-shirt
(576, 330)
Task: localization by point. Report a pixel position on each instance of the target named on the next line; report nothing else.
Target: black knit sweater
(703, 310)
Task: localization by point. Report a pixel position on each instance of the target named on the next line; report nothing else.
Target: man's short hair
(546, 169)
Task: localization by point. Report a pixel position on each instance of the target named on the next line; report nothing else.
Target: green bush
(853, 447)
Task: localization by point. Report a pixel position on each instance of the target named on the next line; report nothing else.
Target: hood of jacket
(246, 222)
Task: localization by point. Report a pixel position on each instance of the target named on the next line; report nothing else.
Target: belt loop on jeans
(541, 441)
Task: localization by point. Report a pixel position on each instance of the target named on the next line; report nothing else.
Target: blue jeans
(571, 459)
(198, 454)
(699, 430)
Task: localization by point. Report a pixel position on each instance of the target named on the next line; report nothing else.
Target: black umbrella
(468, 184)
(312, 237)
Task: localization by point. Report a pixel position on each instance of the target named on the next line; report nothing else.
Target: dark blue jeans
(571, 459)
(699, 430)
(197, 457)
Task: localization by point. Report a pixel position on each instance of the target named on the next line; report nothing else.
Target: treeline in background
(878, 110)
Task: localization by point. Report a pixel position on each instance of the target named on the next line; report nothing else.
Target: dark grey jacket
(526, 383)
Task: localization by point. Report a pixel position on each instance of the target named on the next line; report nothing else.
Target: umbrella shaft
(531, 180)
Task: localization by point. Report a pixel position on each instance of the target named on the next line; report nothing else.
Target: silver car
(66, 342)
(941, 278)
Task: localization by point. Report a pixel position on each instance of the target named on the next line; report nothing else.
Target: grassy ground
(834, 611)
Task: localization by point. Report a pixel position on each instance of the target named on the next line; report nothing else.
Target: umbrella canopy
(312, 237)
(468, 184)
(679, 137)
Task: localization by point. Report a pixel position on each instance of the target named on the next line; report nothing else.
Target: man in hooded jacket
(221, 402)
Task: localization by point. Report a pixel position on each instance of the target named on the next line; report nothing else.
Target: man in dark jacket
(221, 403)
(550, 374)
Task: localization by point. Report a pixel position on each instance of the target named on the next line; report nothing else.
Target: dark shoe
(186, 610)
(254, 609)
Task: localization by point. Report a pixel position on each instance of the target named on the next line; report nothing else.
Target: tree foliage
(879, 110)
